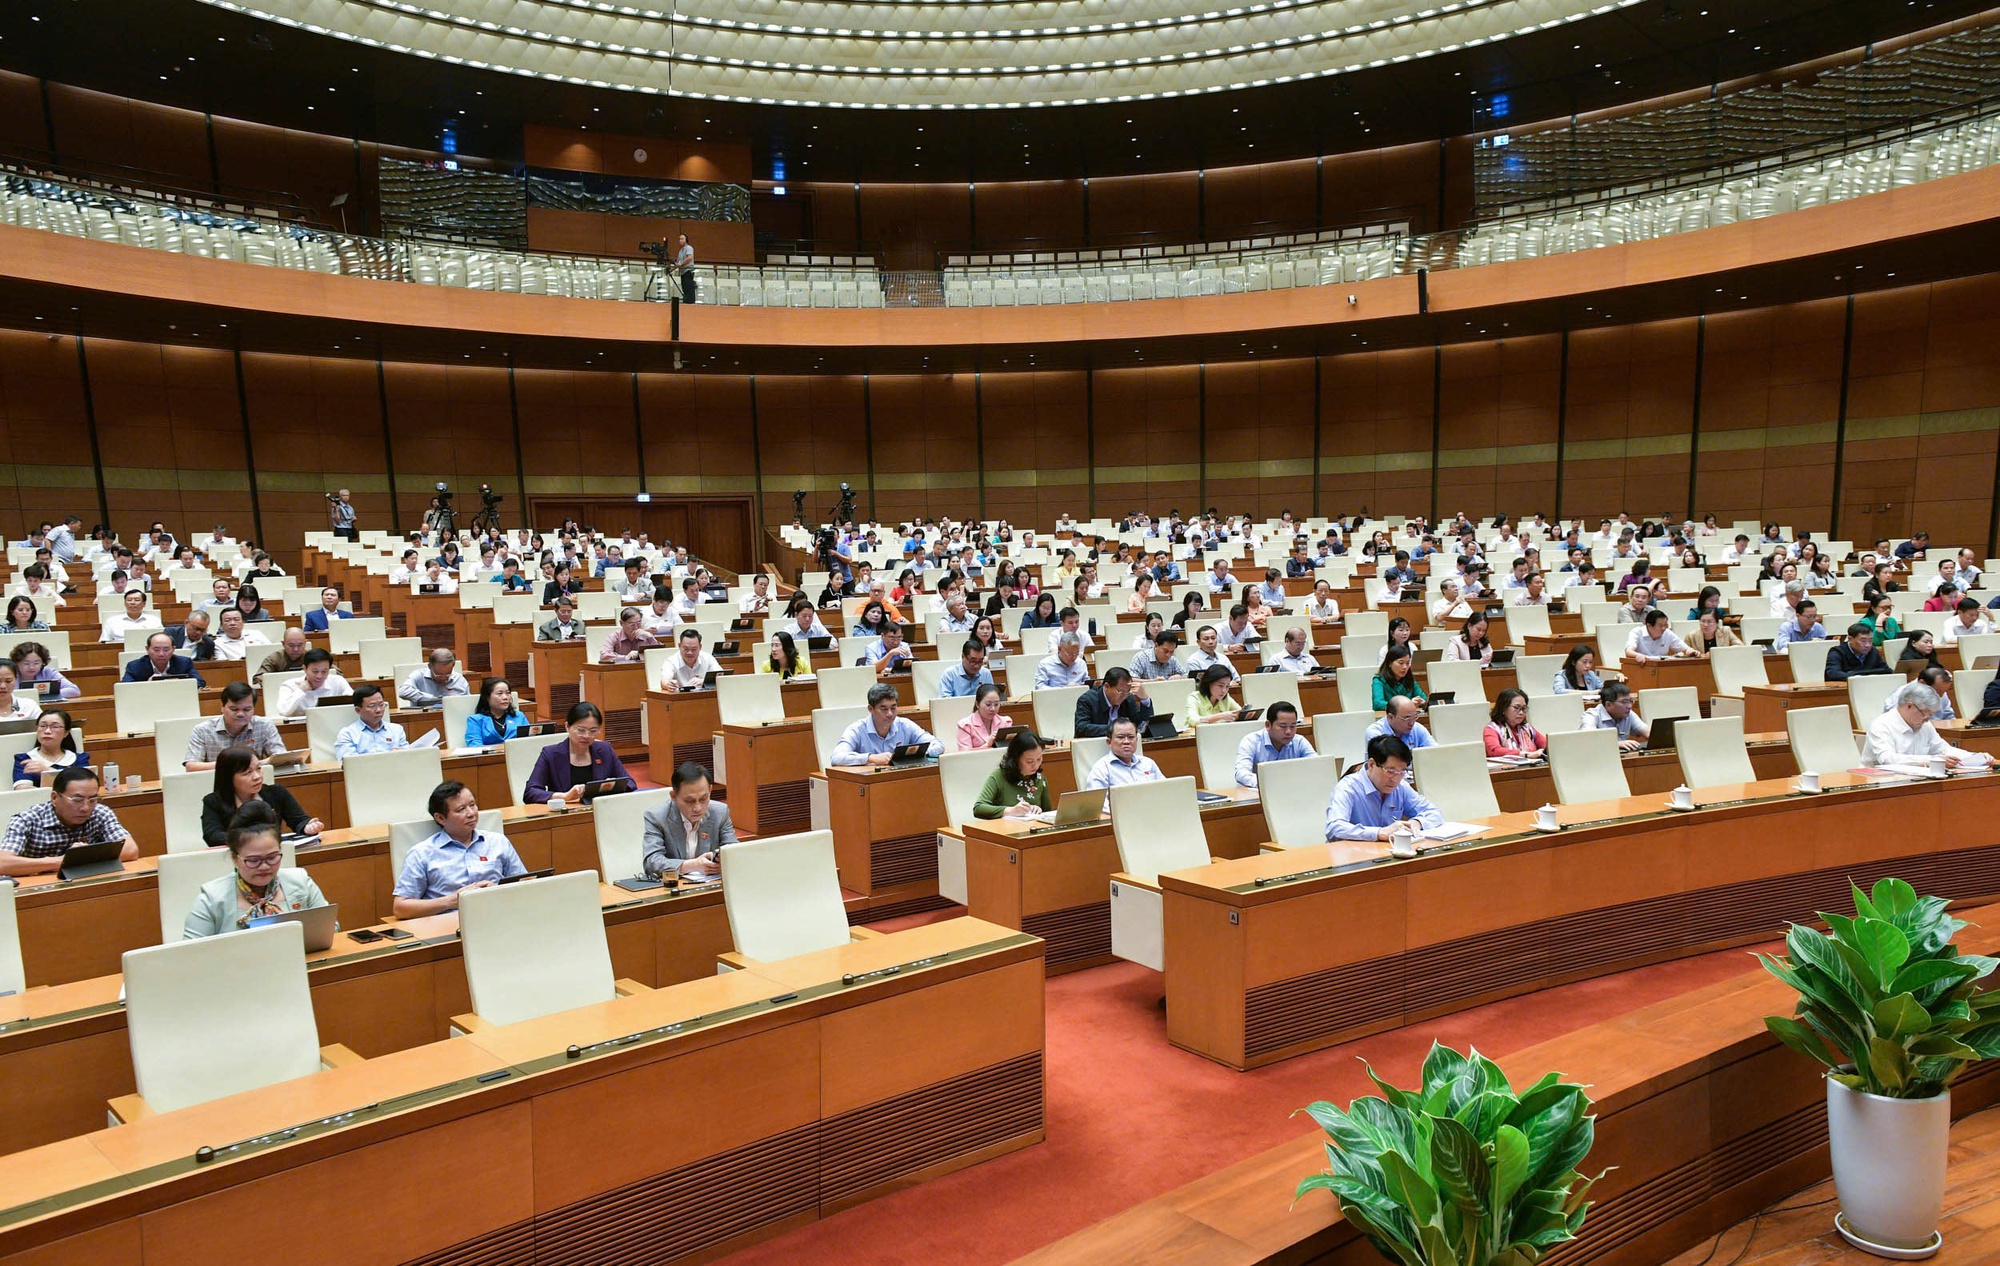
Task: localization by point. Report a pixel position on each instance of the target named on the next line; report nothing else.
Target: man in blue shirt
(1123, 764)
(1399, 721)
(457, 857)
(1278, 740)
(874, 738)
(372, 730)
(1064, 667)
(1804, 626)
(968, 675)
(1372, 802)
(887, 653)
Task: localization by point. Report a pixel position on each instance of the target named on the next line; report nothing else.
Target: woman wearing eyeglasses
(255, 887)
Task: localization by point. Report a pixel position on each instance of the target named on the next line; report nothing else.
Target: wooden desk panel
(55, 1075)
(1764, 707)
(555, 672)
(681, 727)
(619, 691)
(570, 1151)
(768, 766)
(1520, 909)
(1057, 884)
(885, 825)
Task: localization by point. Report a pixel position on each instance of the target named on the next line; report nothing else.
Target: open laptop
(1660, 738)
(84, 860)
(908, 754)
(320, 923)
(1075, 808)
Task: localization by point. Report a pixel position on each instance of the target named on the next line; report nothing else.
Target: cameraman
(340, 509)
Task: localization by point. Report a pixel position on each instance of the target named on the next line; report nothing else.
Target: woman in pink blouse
(1508, 733)
(977, 730)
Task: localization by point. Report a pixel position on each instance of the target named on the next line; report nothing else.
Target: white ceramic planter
(1889, 1168)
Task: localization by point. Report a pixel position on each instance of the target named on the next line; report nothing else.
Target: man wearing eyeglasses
(37, 838)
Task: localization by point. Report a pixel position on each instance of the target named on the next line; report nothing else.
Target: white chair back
(1454, 777)
(385, 787)
(457, 710)
(245, 993)
(782, 894)
(13, 977)
(1968, 683)
(180, 879)
(925, 674)
(1294, 795)
(1261, 690)
(1586, 766)
(1466, 679)
(961, 775)
(1021, 673)
(828, 725)
(1866, 695)
(346, 636)
(1084, 753)
(1712, 752)
(621, 830)
(1459, 722)
(170, 740)
(947, 711)
(381, 655)
(1215, 750)
(138, 705)
(749, 698)
(844, 687)
(323, 727)
(1822, 738)
(1342, 734)
(1668, 701)
(1356, 683)
(1158, 827)
(1055, 711)
(520, 755)
(1536, 674)
(1736, 667)
(1809, 660)
(180, 801)
(534, 948)
(1549, 713)
(272, 684)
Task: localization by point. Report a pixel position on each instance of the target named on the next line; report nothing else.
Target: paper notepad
(1452, 832)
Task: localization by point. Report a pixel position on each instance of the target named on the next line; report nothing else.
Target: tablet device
(742, 624)
(286, 759)
(1249, 714)
(84, 860)
(604, 787)
(1987, 717)
(726, 648)
(320, 923)
(708, 680)
(543, 873)
(907, 754)
(818, 643)
(1504, 657)
(1443, 696)
(1005, 735)
(1160, 726)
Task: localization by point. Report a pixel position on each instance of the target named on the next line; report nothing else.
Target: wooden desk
(555, 671)
(76, 930)
(1764, 707)
(1056, 883)
(1702, 1117)
(619, 691)
(1347, 941)
(63, 1049)
(1522, 788)
(885, 824)
(952, 1040)
(768, 767)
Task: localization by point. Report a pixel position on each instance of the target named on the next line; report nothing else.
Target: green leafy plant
(1886, 1000)
(1462, 1172)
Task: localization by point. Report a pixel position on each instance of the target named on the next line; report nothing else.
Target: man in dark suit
(1856, 656)
(192, 636)
(160, 661)
(684, 835)
(329, 609)
(1115, 697)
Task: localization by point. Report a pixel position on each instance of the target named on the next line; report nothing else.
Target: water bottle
(111, 776)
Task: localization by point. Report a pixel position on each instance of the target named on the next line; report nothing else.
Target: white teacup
(1808, 781)
(1545, 817)
(1681, 797)
(1402, 844)
(1939, 767)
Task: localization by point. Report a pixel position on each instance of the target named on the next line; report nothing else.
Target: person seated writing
(1278, 740)
(239, 782)
(1016, 789)
(1376, 800)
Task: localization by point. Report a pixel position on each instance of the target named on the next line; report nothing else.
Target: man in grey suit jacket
(684, 835)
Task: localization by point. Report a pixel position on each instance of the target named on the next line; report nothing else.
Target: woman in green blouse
(1880, 622)
(1397, 676)
(1212, 701)
(1016, 789)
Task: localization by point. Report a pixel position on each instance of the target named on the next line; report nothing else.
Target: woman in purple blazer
(564, 766)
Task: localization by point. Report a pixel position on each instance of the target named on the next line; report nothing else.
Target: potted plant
(1462, 1172)
(1895, 1012)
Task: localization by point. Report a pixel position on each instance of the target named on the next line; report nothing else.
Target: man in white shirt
(318, 681)
(1947, 574)
(235, 641)
(688, 605)
(688, 669)
(433, 579)
(1123, 764)
(136, 617)
(1296, 657)
(1206, 653)
(1449, 605)
(401, 573)
(1903, 738)
(1968, 620)
(1534, 594)
(758, 600)
(1968, 573)
(1656, 640)
(658, 617)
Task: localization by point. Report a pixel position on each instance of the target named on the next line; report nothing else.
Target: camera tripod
(442, 523)
(488, 517)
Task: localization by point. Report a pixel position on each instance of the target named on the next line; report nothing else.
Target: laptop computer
(320, 923)
(1076, 807)
(84, 860)
(908, 754)
(1660, 738)
(1160, 726)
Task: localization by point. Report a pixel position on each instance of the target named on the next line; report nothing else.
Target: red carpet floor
(1130, 1116)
